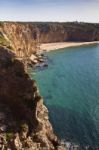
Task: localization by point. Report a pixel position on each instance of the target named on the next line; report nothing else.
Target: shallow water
(70, 87)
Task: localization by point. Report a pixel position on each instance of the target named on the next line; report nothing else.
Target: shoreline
(60, 45)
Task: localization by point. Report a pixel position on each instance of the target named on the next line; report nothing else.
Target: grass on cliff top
(1, 23)
(4, 42)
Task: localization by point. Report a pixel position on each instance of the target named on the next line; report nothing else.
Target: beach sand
(60, 45)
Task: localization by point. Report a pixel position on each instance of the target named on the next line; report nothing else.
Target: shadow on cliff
(16, 89)
(74, 126)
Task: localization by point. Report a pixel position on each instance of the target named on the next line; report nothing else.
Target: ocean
(70, 88)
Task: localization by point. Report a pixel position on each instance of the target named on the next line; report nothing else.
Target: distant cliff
(26, 37)
(62, 32)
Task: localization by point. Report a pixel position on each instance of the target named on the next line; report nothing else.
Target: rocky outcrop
(24, 122)
(23, 38)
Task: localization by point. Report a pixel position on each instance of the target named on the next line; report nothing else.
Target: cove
(70, 88)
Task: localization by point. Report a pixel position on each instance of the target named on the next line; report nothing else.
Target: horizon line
(48, 21)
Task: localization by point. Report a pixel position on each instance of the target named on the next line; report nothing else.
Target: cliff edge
(24, 122)
(25, 38)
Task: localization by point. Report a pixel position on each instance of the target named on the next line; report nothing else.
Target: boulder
(33, 57)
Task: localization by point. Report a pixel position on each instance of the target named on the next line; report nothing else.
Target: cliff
(21, 37)
(62, 32)
(24, 122)
(25, 38)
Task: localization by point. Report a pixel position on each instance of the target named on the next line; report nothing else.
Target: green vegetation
(3, 41)
(9, 135)
(74, 24)
(68, 24)
(24, 127)
(1, 23)
(10, 47)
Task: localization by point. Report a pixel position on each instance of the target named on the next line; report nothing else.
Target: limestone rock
(33, 57)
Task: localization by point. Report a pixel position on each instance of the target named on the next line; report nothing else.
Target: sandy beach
(60, 45)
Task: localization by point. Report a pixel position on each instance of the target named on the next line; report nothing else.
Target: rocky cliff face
(23, 38)
(26, 37)
(24, 122)
(62, 32)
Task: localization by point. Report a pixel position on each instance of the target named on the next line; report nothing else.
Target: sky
(50, 10)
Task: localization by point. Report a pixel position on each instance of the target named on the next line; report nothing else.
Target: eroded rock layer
(26, 37)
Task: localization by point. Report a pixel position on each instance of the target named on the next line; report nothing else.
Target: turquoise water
(70, 87)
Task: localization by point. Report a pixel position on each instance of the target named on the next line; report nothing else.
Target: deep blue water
(70, 87)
